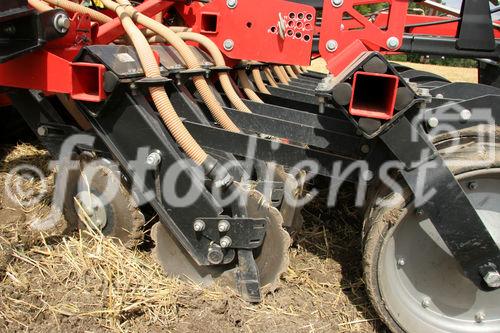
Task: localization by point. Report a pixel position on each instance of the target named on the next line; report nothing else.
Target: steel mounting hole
(291, 15)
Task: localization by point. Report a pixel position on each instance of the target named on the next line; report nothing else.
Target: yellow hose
(76, 8)
(285, 75)
(158, 94)
(191, 61)
(247, 87)
(257, 78)
(279, 74)
(297, 69)
(290, 72)
(270, 77)
(218, 58)
(39, 5)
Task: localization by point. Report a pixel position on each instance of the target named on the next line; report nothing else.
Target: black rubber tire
(379, 221)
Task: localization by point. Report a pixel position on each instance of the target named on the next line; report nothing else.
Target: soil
(86, 283)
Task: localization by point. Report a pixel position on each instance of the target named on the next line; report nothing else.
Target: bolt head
(465, 115)
(401, 262)
(439, 96)
(392, 43)
(153, 159)
(232, 3)
(479, 317)
(473, 186)
(228, 44)
(365, 149)
(42, 131)
(433, 122)
(492, 279)
(223, 226)
(426, 302)
(225, 242)
(199, 225)
(337, 3)
(62, 23)
(332, 45)
(215, 255)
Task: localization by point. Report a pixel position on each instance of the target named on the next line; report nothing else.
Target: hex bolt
(337, 3)
(228, 44)
(224, 226)
(215, 255)
(62, 23)
(433, 122)
(332, 45)
(153, 159)
(401, 262)
(465, 115)
(42, 131)
(392, 43)
(479, 317)
(426, 302)
(225, 242)
(199, 225)
(419, 212)
(232, 3)
(492, 279)
(473, 186)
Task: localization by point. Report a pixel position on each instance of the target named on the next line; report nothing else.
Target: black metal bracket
(449, 209)
(244, 233)
(24, 30)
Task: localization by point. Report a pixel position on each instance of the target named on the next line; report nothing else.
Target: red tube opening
(373, 95)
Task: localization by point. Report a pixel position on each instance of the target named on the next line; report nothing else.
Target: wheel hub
(424, 284)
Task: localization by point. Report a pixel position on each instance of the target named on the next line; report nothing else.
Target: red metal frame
(46, 71)
(253, 27)
(347, 26)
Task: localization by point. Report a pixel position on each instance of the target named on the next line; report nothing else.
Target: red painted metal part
(373, 95)
(445, 29)
(46, 71)
(254, 28)
(108, 32)
(346, 26)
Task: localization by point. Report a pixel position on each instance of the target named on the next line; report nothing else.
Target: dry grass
(86, 282)
(453, 74)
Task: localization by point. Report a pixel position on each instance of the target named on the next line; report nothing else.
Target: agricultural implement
(202, 114)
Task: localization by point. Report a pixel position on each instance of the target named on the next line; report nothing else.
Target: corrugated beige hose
(158, 94)
(257, 78)
(76, 8)
(247, 87)
(191, 61)
(269, 76)
(297, 69)
(218, 58)
(285, 75)
(279, 74)
(290, 72)
(39, 5)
